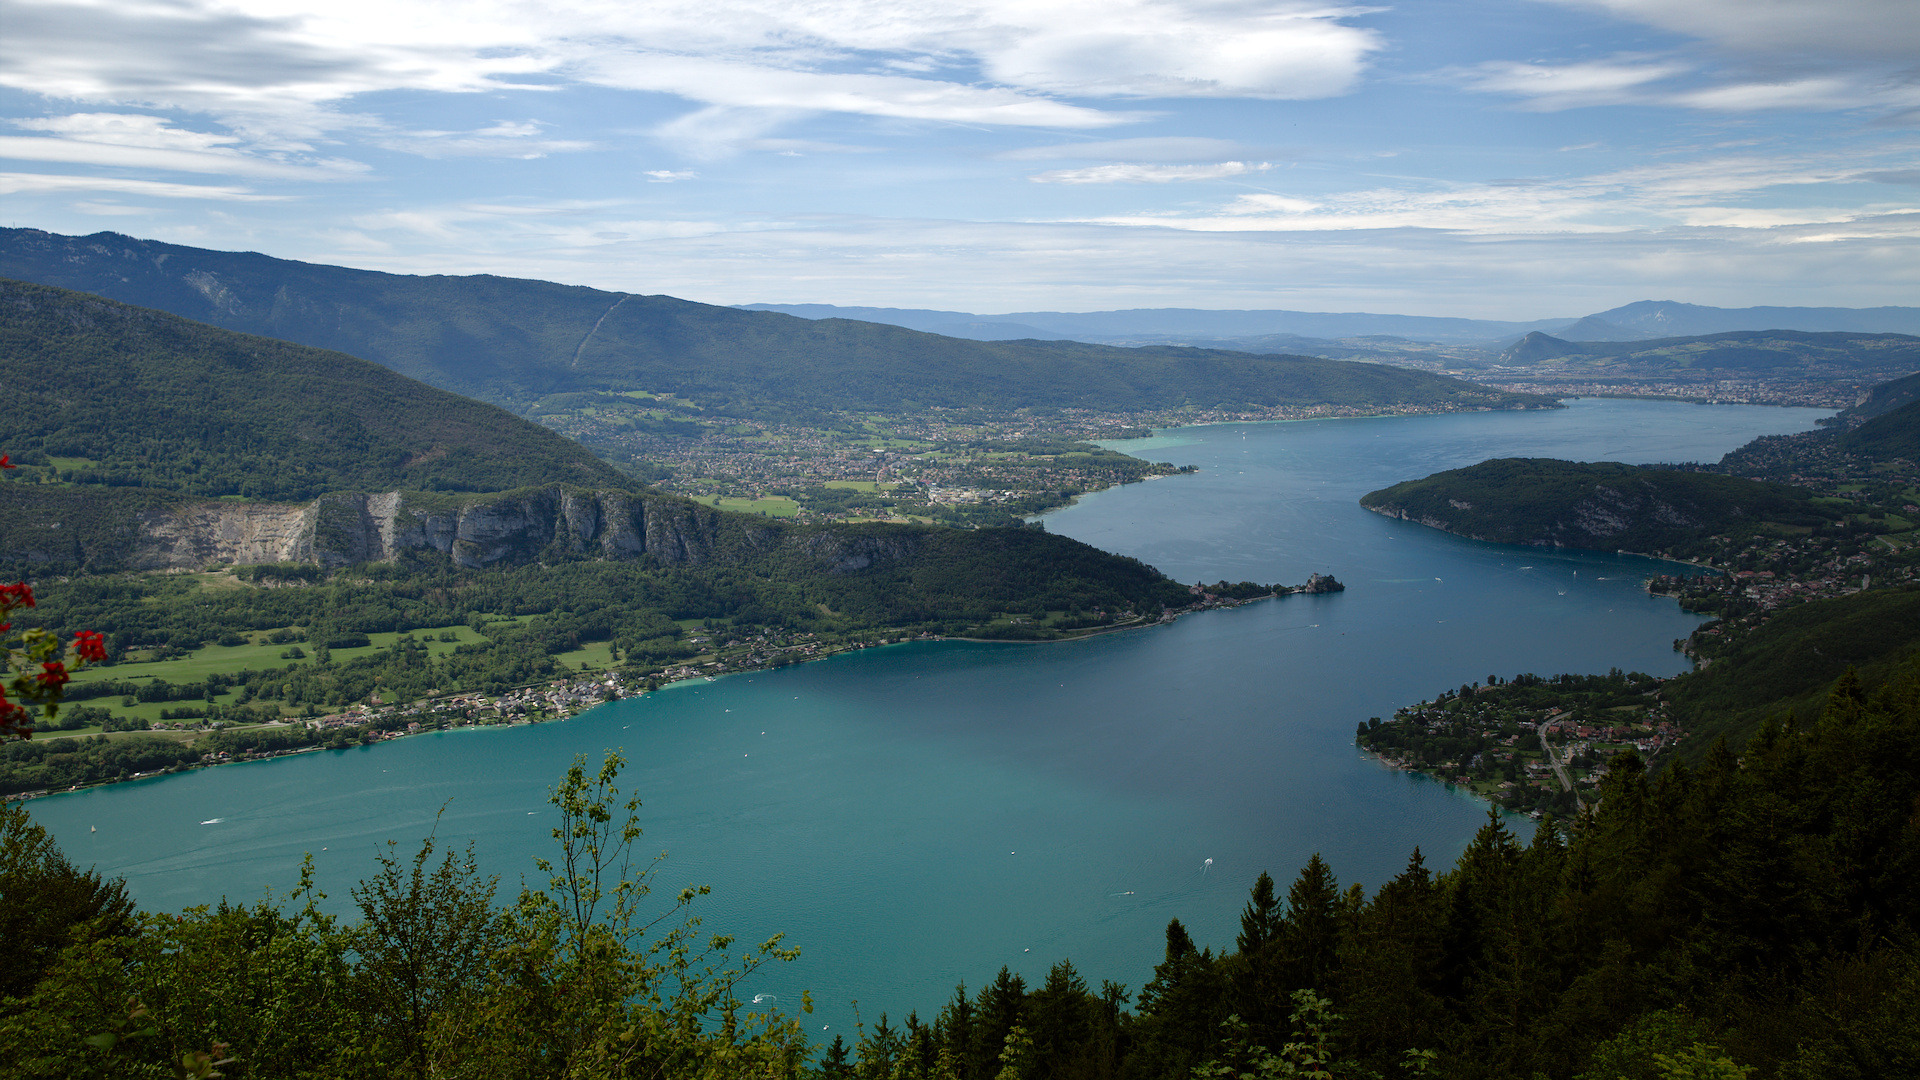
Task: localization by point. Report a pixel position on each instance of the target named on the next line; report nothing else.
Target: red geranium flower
(90, 645)
(16, 595)
(53, 675)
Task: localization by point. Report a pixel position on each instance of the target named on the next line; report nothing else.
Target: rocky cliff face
(509, 528)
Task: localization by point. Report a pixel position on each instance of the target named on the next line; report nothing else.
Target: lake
(922, 814)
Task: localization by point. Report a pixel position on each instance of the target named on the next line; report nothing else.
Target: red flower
(14, 720)
(5, 464)
(16, 595)
(90, 645)
(53, 675)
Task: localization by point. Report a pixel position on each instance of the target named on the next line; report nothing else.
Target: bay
(922, 814)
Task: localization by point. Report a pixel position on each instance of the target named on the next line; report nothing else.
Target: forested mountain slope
(1892, 434)
(1783, 667)
(512, 341)
(1601, 505)
(126, 397)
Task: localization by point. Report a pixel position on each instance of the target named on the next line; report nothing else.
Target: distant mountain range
(1836, 355)
(513, 342)
(1169, 323)
(1636, 321)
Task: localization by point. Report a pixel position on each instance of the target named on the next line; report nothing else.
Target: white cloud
(1821, 93)
(668, 176)
(1148, 174)
(127, 129)
(1148, 49)
(736, 85)
(109, 209)
(125, 155)
(42, 183)
(1706, 192)
(1640, 80)
(1549, 87)
(285, 73)
(1847, 29)
(1163, 148)
(1758, 55)
(505, 139)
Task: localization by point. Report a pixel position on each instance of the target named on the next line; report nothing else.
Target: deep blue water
(921, 814)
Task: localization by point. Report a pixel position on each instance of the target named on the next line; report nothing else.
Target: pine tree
(835, 1066)
(1309, 938)
(1001, 1006)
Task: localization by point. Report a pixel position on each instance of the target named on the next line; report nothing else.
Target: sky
(1512, 159)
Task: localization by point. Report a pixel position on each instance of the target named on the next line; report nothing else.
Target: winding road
(1566, 782)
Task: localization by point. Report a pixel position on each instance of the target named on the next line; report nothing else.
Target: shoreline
(1157, 432)
(1464, 791)
(391, 735)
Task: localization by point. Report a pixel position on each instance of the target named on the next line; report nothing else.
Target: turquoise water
(921, 814)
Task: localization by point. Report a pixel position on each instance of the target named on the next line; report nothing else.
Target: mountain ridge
(140, 398)
(1640, 320)
(513, 341)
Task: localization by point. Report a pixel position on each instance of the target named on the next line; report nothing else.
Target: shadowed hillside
(512, 341)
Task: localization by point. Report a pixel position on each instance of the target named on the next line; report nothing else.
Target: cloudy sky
(1493, 158)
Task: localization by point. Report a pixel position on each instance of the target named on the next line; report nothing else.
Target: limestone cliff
(512, 527)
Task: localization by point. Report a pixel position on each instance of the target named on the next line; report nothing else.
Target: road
(1566, 782)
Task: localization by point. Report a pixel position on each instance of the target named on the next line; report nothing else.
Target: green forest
(109, 396)
(1604, 505)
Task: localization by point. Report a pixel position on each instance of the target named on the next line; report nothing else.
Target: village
(952, 466)
(1530, 744)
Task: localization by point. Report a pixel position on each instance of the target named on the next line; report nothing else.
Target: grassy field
(771, 506)
(869, 486)
(596, 656)
(258, 655)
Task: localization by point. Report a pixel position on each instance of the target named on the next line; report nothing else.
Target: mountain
(1537, 347)
(150, 442)
(1595, 328)
(1892, 434)
(1884, 398)
(1667, 318)
(1602, 505)
(1195, 323)
(1784, 666)
(512, 341)
(1836, 354)
(961, 324)
(1637, 321)
(122, 397)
